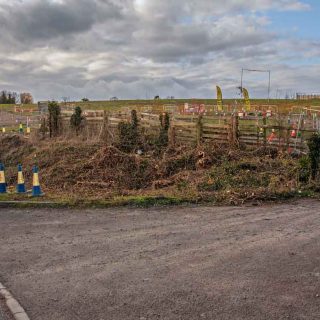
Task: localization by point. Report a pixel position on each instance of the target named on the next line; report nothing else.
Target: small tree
(8, 97)
(76, 119)
(314, 154)
(134, 125)
(3, 97)
(54, 119)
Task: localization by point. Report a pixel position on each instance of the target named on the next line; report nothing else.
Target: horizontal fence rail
(252, 130)
(268, 128)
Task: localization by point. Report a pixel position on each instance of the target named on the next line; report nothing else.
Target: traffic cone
(21, 188)
(3, 185)
(272, 136)
(293, 133)
(36, 190)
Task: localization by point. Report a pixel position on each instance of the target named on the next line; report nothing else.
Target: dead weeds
(208, 173)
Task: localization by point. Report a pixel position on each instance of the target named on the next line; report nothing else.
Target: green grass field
(129, 103)
(10, 107)
(284, 105)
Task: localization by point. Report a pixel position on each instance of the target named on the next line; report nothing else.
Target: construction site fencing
(263, 129)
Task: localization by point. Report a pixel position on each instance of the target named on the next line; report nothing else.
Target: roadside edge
(14, 306)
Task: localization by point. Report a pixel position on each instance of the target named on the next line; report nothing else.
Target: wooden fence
(255, 130)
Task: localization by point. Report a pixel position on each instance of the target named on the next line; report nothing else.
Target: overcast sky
(135, 49)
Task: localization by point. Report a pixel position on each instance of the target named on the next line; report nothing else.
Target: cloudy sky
(135, 49)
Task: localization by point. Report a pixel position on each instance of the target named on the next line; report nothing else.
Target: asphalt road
(169, 263)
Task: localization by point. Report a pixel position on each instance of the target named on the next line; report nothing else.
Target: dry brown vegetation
(82, 170)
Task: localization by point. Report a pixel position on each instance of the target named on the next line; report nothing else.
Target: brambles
(238, 174)
(179, 161)
(211, 185)
(210, 173)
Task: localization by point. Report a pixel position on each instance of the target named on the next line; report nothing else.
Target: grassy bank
(76, 173)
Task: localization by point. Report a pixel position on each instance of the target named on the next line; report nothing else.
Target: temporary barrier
(272, 136)
(21, 188)
(36, 189)
(3, 185)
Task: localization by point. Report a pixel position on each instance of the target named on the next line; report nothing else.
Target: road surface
(167, 263)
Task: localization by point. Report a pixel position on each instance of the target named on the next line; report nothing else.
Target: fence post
(287, 147)
(302, 134)
(199, 130)
(104, 134)
(230, 125)
(172, 134)
(235, 128)
(265, 131)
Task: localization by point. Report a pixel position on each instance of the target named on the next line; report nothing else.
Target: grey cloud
(195, 8)
(134, 48)
(44, 19)
(121, 77)
(173, 43)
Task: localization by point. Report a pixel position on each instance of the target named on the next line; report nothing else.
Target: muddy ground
(167, 263)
